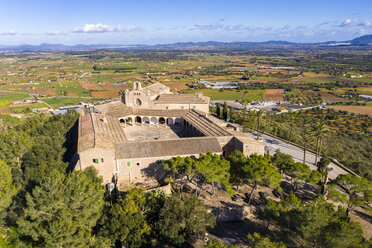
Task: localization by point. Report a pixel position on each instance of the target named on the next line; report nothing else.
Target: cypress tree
(218, 111)
(225, 112)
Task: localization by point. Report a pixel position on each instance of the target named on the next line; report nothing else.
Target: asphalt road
(272, 144)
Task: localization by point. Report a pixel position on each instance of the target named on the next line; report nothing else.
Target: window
(193, 107)
(128, 164)
(95, 160)
(101, 160)
(182, 107)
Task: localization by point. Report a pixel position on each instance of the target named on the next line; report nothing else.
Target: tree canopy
(139, 217)
(7, 188)
(207, 169)
(259, 171)
(62, 211)
(257, 241)
(316, 222)
(352, 190)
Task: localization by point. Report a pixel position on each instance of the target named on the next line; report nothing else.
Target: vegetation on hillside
(343, 136)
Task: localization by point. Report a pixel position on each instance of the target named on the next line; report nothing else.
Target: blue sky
(152, 22)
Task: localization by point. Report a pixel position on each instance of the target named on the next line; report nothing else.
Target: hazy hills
(363, 42)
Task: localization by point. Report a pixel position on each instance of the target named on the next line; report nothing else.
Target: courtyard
(149, 132)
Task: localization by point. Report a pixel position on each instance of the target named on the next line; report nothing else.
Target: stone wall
(140, 170)
(105, 163)
(202, 107)
(250, 146)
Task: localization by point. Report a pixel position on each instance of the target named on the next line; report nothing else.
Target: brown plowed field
(4, 111)
(106, 93)
(70, 93)
(274, 95)
(331, 98)
(364, 110)
(90, 86)
(43, 91)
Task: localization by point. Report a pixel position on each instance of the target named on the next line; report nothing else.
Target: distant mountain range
(363, 42)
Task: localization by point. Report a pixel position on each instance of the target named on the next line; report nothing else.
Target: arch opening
(146, 120)
(178, 122)
(153, 120)
(170, 122)
(138, 119)
(161, 120)
(129, 120)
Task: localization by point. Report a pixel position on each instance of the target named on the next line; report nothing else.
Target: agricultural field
(57, 102)
(276, 95)
(363, 110)
(104, 74)
(230, 95)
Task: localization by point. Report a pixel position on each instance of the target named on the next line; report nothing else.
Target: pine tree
(259, 171)
(7, 187)
(256, 241)
(358, 190)
(62, 211)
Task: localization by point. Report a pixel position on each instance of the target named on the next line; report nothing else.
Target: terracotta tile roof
(163, 148)
(205, 125)
(156, 88)
(97, 130)
(180, 99)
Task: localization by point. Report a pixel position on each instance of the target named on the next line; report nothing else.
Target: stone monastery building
(127, 140)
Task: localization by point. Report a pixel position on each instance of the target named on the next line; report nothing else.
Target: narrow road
(272, 144)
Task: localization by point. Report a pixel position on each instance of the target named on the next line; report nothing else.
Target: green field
(14, 96)
(230, 95)
(72, 86)
(26, 109)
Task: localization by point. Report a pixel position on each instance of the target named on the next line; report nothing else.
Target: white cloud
(349, 22)
(96, 28)
(103, 28)
(355, 22)
(10, 32)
